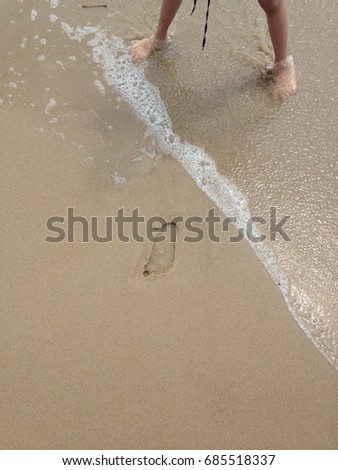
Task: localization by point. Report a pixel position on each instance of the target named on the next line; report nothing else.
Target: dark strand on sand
(206, 21)
(94, 6)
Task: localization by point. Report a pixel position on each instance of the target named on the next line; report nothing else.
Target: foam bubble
(54, 3)
(61, 135)
(100, 87)
(34, 14)
(51, 103)
(118, 179)
(90, 161)
(60, 63)
(77, 34)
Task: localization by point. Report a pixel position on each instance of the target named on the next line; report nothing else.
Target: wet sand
(93, 354)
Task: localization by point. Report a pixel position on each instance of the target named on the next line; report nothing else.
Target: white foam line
(145, 99)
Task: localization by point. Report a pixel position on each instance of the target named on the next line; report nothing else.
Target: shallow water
(258, 153)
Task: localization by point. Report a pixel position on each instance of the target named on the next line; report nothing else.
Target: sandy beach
(94, 354)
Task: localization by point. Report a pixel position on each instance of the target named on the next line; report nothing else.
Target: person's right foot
(144, 48)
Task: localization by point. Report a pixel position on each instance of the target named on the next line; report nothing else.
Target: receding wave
(145, 100)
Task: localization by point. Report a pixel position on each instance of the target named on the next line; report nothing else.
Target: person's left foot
(144, 48)
(284, 74)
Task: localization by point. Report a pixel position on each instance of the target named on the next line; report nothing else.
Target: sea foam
(34, 14)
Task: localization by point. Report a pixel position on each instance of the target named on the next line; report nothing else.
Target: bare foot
(144, 48)
(284, 73)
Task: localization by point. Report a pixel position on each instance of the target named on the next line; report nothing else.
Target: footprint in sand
(162, 255)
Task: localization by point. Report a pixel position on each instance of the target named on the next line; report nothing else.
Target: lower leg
(284, 68)
(169, 9)
(278, 26)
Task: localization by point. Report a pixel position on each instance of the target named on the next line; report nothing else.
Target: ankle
(284, 63)
(161, 36)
